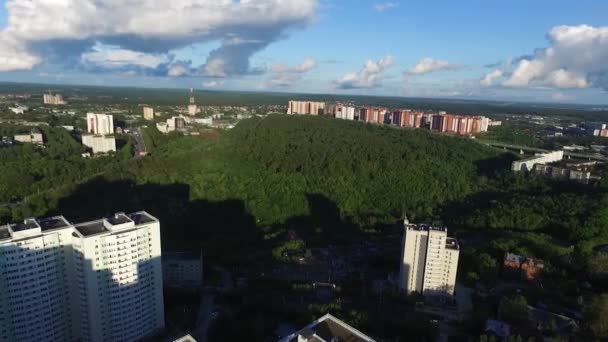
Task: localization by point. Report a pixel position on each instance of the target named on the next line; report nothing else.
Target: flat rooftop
(425, 227)
(84, 229)
(4, 234)
(25, 225)
(91, 228)
(119, 218)
(451, 243)
(51, 223)
(141, 217)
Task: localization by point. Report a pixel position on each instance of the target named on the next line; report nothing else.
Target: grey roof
(51, 223)
(25, 225)
(91, 228)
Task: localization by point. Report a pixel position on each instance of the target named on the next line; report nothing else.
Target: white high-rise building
(148, 113)
(36, 272)
(93, 281)
(429, 260)
(192, 108)
(121, 289)
(51, 99)
(100, 124)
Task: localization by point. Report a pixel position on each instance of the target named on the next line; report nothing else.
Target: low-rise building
(529, 268)
(539, 158)
(327, 329)
(19, 109)
(99, 143)
(174, 123)
(555, 172)
(33, 137)
(183, 270)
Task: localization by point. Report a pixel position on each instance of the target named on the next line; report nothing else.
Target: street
(139, 145)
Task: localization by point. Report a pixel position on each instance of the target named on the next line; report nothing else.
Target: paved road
(203, 320)
(140, 145)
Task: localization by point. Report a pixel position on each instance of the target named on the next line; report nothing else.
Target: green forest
(334, 181)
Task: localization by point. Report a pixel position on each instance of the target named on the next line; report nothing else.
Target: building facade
(148, 113)
(183, 270)
(33, 137)
(99, 143)
(51, 99)
(36, 273)
(306, 107)
(429, 260)
(94, 281)
(540, 158)
(100, 124)
(120, 292)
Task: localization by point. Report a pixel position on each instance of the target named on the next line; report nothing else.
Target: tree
(487, 267)
(596, 314)
(597, 266)
(513, 310)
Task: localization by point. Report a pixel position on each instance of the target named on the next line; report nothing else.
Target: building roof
(4, 234)
(91, 228)
(32, 226)
(329, 329)
(29, 223)
(51, 223)
(451, 243)
(513, 258)
(185, 338)
(534, 262)
(142, 217)
(498, 328)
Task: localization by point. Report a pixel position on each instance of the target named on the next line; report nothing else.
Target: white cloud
(215, 68)
(212, 84)
(368, 77)
(576, 58)
(114, 58)
(13, 56)
(284, 76)
(177, 70)
(381, 7)
(33, 33)
(561, 97)
(489, 78)
(428, 65)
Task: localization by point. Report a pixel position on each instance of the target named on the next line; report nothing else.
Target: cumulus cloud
(368, 77)
(489, 78)
(381, 7)
(13, 56)
(116, 58)
(576, 58)
(284, 76)
(212, 84)
(151, 27)
(428, 65)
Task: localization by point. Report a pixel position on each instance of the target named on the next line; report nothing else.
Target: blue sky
(432, 48)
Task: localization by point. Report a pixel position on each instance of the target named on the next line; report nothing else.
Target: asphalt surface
(139, 144)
